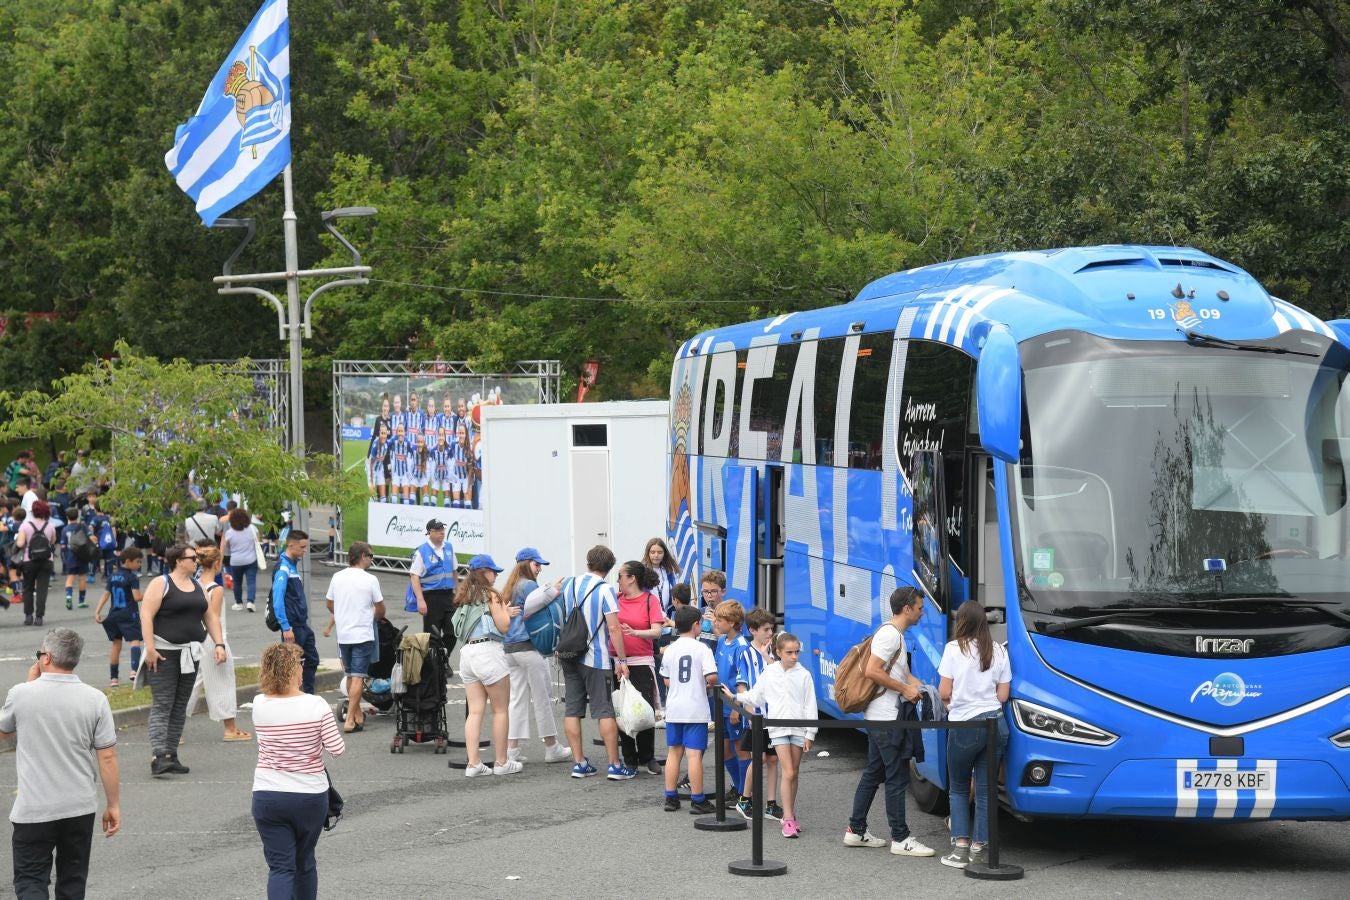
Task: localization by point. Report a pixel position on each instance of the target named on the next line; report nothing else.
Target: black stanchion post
(719, 822)
(992, 870)
(757, 864)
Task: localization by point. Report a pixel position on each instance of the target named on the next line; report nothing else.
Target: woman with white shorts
(481, 619)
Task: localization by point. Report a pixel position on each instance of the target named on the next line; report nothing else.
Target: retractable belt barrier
(759, 866)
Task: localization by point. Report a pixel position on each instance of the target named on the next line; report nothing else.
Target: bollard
(992, 871)
(757, 865)
(719, 822)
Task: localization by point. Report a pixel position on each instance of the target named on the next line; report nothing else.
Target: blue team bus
(1133, 456)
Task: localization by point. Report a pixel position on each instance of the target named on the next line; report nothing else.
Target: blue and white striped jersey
(600, 600)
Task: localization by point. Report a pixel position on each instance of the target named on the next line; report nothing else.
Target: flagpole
(296, 334)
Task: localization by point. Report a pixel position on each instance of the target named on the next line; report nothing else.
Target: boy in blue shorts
(76, 569)
(728, 616)
(123, 620)
(689, 670)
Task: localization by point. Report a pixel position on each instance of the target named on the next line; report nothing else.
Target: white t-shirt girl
(973, 692)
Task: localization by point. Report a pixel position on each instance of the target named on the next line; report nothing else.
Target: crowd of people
(644, 626)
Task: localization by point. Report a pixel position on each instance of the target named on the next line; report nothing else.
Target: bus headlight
(1342, 739)
(1057, 726)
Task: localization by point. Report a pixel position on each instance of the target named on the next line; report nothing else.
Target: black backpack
(270, 616)
(39, 545)
(83, 549)
(575, 638)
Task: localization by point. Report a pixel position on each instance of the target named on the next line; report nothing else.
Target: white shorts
(484, 663)
(375, 477)
(398, 479)
(458, 484)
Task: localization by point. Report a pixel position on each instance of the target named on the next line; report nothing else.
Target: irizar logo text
(1223, 645)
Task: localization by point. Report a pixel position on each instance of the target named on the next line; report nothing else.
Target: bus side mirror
(998, 386)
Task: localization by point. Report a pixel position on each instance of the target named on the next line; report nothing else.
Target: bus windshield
(1173, 473)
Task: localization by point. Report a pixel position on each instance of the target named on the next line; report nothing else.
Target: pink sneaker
(790, 828)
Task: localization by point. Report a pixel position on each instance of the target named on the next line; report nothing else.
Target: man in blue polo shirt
(291, 607)
(433, 583)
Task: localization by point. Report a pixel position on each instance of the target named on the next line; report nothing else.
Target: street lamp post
(294, 324)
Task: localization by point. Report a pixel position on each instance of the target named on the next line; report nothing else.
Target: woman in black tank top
(174, 617)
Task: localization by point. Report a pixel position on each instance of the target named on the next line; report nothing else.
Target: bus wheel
(927, 796)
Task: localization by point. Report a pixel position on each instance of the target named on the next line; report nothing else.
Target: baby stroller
(419, 709)
(377, 689)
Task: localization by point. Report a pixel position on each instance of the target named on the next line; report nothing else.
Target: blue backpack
(106, 541)
(545, 626)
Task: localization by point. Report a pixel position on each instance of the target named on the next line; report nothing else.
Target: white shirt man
(356, 603)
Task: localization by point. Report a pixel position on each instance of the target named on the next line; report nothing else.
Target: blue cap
(531, 554)
(483, 561)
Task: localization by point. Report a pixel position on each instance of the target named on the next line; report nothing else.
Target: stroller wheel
(440, 745)
(342, 711)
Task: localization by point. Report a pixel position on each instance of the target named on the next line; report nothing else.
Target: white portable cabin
(563, 477)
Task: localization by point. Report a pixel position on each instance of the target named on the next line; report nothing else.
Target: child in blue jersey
(377, 458)
(749, 665)
(728, 617)
(75, 569)
(8, 528)
(123, 620)
(101, 530)
(689, 670)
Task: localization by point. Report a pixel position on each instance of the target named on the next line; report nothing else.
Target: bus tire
(927, 796)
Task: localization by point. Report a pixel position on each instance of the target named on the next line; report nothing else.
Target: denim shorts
(796, 740)
(356, 658)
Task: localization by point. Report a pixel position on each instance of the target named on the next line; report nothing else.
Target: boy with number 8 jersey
(689, 670)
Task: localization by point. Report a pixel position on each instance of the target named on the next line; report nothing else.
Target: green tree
(167, 421)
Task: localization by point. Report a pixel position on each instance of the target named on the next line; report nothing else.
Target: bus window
(871, 376)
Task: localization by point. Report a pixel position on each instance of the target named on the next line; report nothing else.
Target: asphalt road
(416, 829)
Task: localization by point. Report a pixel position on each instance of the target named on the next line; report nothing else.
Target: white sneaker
(911, 847)
(557, 753)
(238, 607)
(866, 839)
(475, 771)
(250, 607)
(515, 754)
(510, 767)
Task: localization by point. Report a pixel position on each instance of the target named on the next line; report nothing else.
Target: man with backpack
(288, 607)
(78, 555)
(589, 603)
(888, 752)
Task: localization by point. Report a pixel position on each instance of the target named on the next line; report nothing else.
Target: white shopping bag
(632, 710)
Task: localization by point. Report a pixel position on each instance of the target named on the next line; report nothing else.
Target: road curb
(324, 680)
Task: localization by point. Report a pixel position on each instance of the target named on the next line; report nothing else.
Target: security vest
(440, 572)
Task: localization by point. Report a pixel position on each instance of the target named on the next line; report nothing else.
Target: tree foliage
(152, 424)
(681, 163)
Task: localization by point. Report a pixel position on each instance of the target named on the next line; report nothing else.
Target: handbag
(410, 600)
(631, 709)
(334, 804)
(259, 555)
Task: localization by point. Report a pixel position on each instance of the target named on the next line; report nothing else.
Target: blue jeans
(304, 639)
(239, 573)
(967, 749)
(289, 825)
(884, 766)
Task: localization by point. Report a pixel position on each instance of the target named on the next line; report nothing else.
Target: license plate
(1226, 779)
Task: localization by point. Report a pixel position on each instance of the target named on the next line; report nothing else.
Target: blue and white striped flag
(240, 137)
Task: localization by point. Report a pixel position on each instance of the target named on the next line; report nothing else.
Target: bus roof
(1129, 292)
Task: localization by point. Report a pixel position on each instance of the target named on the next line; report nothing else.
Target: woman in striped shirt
(290, 785)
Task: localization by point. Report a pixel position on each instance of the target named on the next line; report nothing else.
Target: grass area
(42, 451)
(125, 696)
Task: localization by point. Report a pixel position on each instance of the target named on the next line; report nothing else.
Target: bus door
(987, 550)
(771, 540)
(932, 572)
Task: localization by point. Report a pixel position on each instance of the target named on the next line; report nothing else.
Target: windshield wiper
(1112, 615)
(1199, 339)
(1332, 608)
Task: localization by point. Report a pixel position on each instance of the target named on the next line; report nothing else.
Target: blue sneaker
(620, 772)
(584, 769)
